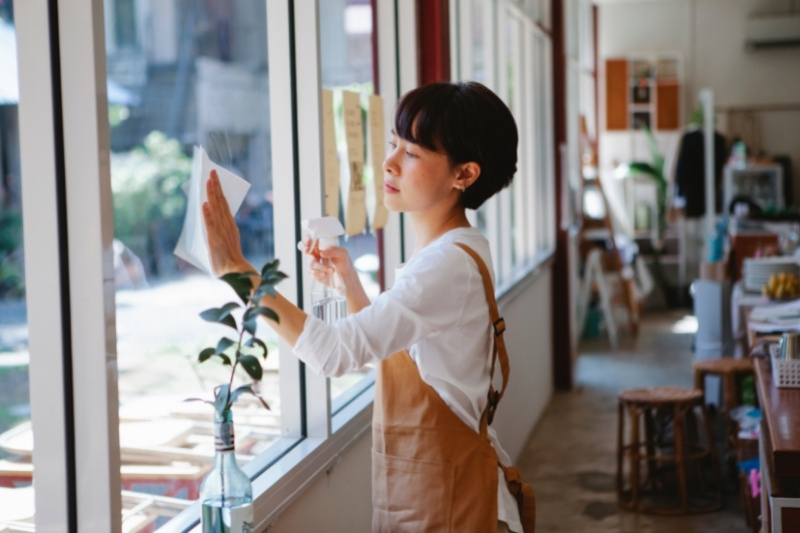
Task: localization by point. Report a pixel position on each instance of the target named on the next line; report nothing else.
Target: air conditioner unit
(772, 32)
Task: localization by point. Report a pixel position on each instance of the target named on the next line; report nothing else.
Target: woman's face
(417, 179)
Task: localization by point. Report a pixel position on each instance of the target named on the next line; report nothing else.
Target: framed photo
(641, 94)
(641, 119)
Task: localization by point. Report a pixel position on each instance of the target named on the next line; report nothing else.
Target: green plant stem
(236, 362)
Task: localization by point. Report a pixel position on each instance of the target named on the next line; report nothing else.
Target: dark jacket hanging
(690, 171)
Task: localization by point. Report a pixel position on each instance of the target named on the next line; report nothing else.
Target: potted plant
(226, 494)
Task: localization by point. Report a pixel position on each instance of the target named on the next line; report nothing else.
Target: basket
(785, 372)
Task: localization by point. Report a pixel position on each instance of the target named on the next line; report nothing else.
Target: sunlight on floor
(687, 324)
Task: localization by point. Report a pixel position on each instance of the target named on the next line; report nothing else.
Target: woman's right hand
(326, 262)
(335, 258)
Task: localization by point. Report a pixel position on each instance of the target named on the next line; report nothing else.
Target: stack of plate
(758, 270)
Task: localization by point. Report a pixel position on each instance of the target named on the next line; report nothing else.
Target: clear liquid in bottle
(330, 308)
(235, 517)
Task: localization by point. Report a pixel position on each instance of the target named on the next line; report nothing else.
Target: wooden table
(779, 452)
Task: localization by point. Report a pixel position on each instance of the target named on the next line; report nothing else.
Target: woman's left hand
(224, 244)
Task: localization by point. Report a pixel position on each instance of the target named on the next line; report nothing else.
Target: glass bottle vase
(226, 494)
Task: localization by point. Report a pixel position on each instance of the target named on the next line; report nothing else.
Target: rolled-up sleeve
(428, 297)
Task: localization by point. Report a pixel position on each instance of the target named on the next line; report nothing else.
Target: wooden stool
(731, 372)
(656, 495)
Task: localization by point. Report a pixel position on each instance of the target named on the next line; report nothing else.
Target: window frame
(42, 168)
(534, 206)
(79, 131)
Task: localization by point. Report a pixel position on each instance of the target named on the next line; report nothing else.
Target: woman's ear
(468, 173)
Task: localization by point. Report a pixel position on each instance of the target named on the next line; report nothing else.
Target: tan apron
(431, 472)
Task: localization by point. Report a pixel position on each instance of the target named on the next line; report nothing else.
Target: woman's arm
(225, 249)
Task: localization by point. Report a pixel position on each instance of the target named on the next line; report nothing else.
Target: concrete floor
(571, 457)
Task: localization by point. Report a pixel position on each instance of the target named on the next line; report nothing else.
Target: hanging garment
(690, 171)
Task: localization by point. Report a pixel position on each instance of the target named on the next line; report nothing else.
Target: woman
(435, 462)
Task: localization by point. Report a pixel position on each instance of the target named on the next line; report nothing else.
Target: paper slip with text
(192, 245)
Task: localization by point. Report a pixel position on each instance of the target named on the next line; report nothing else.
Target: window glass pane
(478, 22)
(183, 73)
(16, 469)
(545, 213)
(347, 64)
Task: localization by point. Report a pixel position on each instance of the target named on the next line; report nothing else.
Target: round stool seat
(724, 365)
(658, 395)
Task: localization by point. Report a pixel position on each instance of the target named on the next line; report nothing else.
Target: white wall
(340, 501)
(709, 35)
(530, 350)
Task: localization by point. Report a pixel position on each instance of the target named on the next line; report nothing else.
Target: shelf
(666, 259)
(643, 91)
(669, 234)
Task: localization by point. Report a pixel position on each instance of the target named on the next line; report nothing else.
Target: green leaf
(270, 266)
(641, 167)
(263, 346)
(266, 312)
(658, 159)
(241, 283)
(250, 326)
(225, 359)
(240, 390)
(198, 400)
(261, 291)
(221, 401)
(223, 344)
(221, 315)
(270, 275)
(206, 354)
(247, 389)
(251, 366)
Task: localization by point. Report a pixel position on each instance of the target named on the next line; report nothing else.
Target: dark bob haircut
(468, 122)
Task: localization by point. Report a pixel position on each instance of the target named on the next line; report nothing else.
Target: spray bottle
(328, 296)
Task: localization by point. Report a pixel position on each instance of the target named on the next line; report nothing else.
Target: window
(346, 61)
(242, 79)
(520, 221)
(214, 94)
(16, 442)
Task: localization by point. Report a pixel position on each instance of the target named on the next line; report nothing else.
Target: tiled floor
(571, 457)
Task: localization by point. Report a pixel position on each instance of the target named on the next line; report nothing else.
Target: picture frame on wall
(641, 119)
(641, 94)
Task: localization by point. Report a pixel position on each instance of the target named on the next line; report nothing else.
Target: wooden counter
(779, 452)
(781, 411)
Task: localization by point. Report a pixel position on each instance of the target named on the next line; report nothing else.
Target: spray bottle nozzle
(324, 232)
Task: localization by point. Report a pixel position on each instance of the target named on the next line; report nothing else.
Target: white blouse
(437, 310)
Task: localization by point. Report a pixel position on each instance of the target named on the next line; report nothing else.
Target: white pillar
(707, 101)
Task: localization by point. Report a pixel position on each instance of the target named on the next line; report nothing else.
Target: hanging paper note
(330, 166)
(356, 215)
(377, 137)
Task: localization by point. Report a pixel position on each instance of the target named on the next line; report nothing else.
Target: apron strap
(498, 346)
